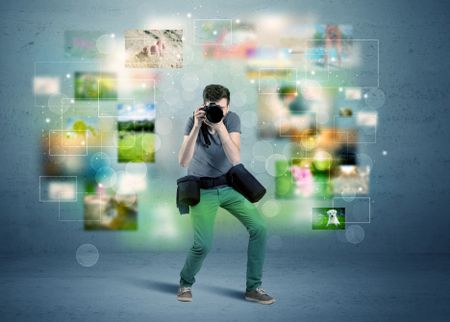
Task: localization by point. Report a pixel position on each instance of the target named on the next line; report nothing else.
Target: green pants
(203, 216)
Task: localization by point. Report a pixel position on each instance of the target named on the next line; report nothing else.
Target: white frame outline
(59, 200)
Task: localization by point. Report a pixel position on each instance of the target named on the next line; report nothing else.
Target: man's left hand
(216, 126)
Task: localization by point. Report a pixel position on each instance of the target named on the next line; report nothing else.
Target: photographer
(209, 150)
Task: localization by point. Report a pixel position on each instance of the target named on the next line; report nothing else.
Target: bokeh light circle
(270, 163)
(173, 99)
(364, 160)
(106, 176)
(354, 234)
(262, 149)
(87, 255)
(58, 103)
(270, 208)
(151, 144)
(99, 160)
(190, 82)
(258, 164)
(348, 193)
(375, 98)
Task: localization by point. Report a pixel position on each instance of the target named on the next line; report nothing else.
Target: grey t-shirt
(211, 161)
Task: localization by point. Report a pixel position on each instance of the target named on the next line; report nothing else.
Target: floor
(142, 287)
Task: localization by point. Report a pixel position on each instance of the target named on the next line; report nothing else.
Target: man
(212, 159)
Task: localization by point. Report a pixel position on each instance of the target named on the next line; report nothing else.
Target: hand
(216, 126)
(199, 116)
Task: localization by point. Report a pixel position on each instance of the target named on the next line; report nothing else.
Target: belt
(211, 182)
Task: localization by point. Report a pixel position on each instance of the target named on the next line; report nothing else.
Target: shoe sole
(181, 299)
(259, 301)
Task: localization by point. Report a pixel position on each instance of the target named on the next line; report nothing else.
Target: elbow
(183, 163)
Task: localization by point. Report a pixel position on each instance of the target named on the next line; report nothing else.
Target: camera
(213, 112)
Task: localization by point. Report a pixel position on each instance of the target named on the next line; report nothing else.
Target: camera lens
(214, 113)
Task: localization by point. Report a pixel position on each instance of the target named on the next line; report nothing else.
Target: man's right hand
(199, 116)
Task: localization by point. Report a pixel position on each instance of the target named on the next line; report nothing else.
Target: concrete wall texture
(409, 185)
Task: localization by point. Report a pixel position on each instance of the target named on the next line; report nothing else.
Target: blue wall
(409, 186)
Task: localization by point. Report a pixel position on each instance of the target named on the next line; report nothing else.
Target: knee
(201, 249)
(258, 230)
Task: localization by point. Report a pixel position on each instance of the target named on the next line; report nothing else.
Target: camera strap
(205, 133)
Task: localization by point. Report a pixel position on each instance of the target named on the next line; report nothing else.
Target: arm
(231, 143)
(188, 146)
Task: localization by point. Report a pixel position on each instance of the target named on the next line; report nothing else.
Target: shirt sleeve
(189, 125)
(233, 123)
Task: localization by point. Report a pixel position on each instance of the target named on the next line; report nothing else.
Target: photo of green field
(136, 147)
(136, 137)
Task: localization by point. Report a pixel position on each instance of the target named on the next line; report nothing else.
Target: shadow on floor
(225, 291)
(164, 287)
(172, 288)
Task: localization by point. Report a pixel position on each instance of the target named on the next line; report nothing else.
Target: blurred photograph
(81, 44)
(58, 188)
(104, 209)
(95, 86)
(223, 42)
(46, 85)
(154, 48)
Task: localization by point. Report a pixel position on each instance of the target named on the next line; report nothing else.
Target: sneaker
(259, 295)
(184, 294)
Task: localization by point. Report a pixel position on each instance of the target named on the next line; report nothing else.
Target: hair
(215, 92)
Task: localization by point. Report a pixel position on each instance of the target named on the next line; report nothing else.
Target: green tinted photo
(94, 85)
(328, 218)
(136, 130)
